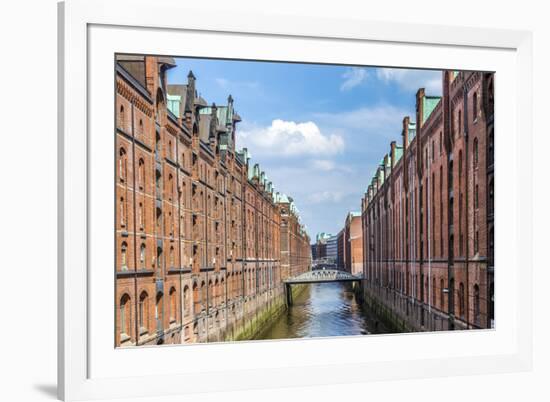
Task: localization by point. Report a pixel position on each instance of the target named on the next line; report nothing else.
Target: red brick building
(427, 215)
(203, 240)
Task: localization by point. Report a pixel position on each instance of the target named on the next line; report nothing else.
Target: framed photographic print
(242, 199)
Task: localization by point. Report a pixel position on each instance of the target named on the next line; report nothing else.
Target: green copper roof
(398, 153)
(430, 102)
(173, 103)
(412, 131)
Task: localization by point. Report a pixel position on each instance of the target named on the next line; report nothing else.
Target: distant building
(353, 244)
(332, 248)
(340, 249)
(319, 249)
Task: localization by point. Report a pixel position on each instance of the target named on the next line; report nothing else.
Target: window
(159, 258)
(476, 197)
(474, 107)
(141, 174)
(122, 165)
(143, 312)
(440, 142)
(173, 305)
(124, 314)
(122, 211)
(186, 303)
(121, 117)
(170, 186)
(123, 256)
(196, 299)
(142, 256)
(140, 215)
(171, 257)
(140, 127)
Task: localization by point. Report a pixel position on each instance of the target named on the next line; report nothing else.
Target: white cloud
(324, 164)
(412, 80)
(288, 138)
(327, 165)
(325, 197)
(353, 77)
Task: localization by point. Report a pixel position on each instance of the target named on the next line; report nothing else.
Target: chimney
(191, 91)
(419, 109)
(212, 135)
(151, 74)
(405, 132)
(392, 153)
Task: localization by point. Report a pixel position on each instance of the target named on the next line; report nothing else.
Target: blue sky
(318, 131)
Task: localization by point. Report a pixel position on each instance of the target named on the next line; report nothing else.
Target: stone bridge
(318, 276)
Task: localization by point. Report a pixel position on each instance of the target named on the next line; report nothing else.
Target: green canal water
(322, 310)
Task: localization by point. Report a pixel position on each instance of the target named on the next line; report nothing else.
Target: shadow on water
(321, 310)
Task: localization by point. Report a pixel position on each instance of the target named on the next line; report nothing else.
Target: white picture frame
(90, 31)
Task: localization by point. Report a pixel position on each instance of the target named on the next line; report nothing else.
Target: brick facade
(427, 215)
(203, 240)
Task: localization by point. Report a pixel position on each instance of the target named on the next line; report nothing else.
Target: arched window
(440, 142)
(476, 158)
(186, 301)
(171, 256)
(173, 304)
(140, 127)
(170, 186)
(140, 215)
(142, 256)
(121, 117)
(122, 165)
(141, 174)
(159, 258)
(474, 106)
(203, 296)
(143, 313)
(476, 305)
(196, 299)
(125, 324)
(122, 212)
(124, 256)
(476, 197)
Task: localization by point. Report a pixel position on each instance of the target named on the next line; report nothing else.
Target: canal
(324, 309)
